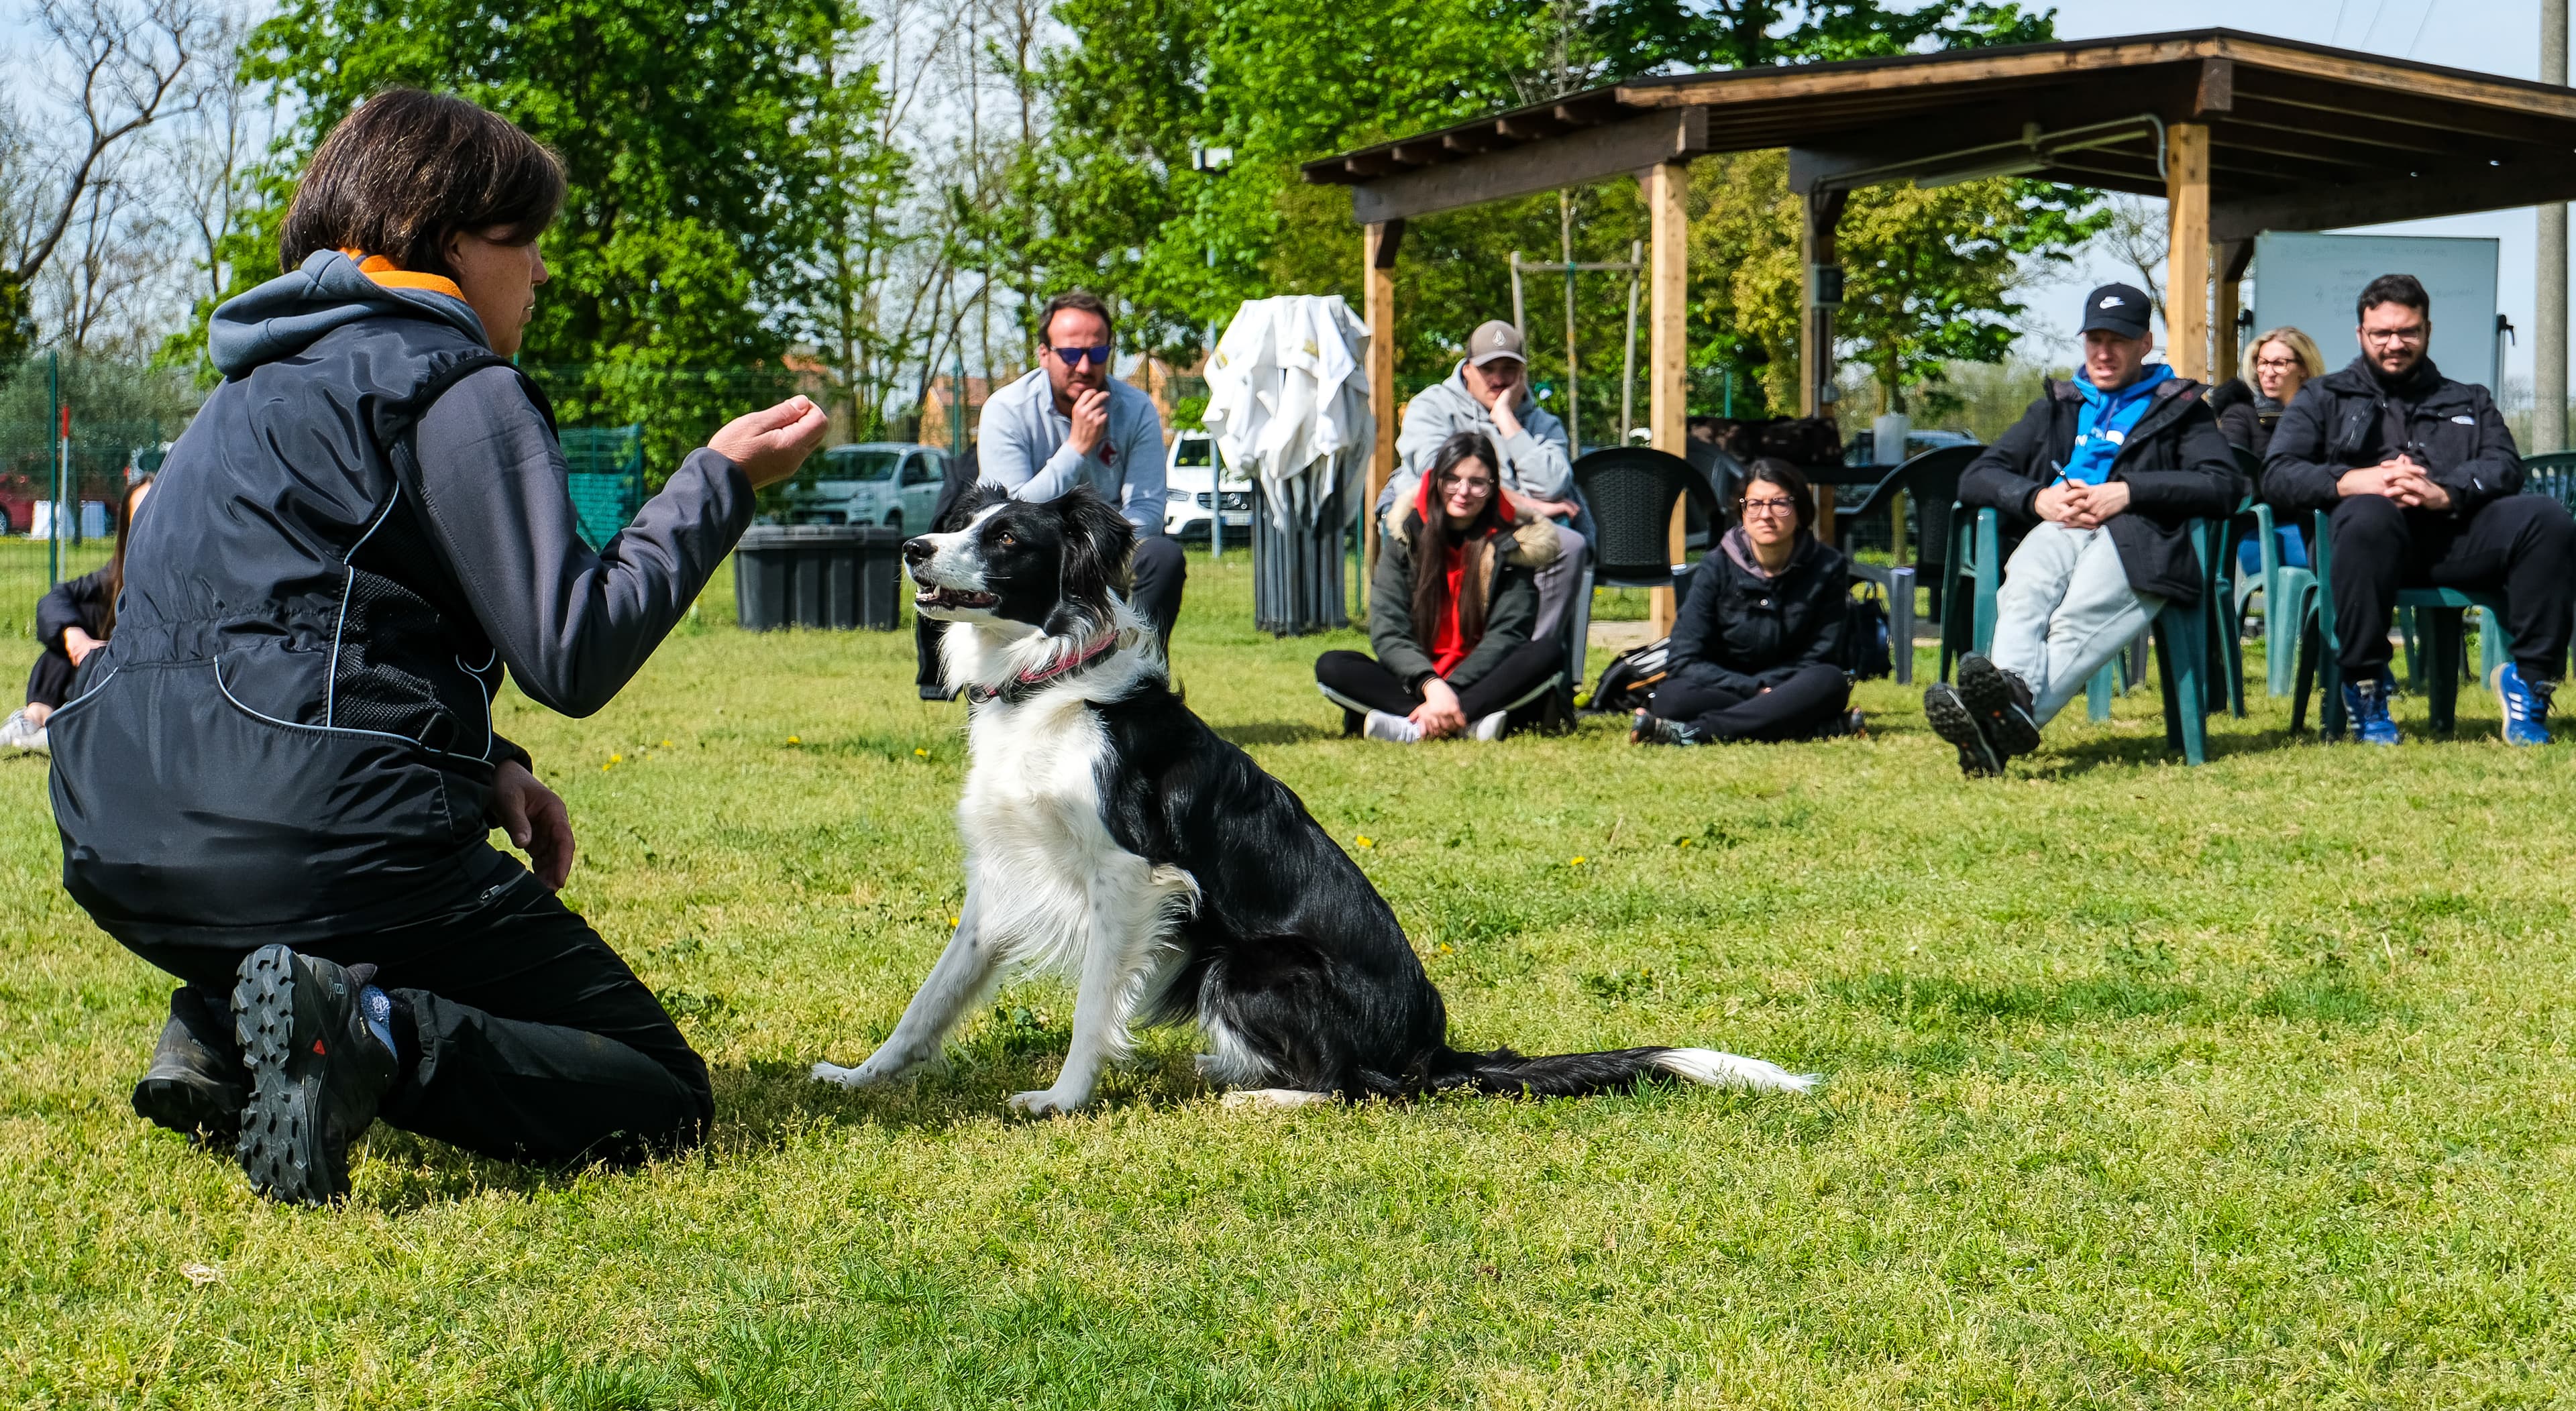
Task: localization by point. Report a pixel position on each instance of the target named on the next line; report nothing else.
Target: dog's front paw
(1047, 1103)
(866, 1075)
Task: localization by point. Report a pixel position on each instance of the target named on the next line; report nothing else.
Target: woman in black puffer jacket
(1758, 649)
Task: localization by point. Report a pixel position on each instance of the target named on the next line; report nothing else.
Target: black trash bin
(818, 575)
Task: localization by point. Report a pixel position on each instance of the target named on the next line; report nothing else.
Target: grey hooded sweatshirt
(1534, 462)
(289, 737)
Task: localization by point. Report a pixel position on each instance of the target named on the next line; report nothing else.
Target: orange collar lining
(393, 276)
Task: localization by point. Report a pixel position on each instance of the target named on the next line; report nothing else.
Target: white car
(893, 483)
(1192, 489)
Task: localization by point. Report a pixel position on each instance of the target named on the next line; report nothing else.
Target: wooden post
(1816, 245)
(2187, 263)
(2229, 259)
(1667, 341)
(1378, 247)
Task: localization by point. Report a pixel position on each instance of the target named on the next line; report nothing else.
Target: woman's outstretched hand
(535, 820)
(768, 446)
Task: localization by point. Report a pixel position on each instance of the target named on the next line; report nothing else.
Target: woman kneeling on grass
(1450, 610)
(1758, 647)
(278, 780)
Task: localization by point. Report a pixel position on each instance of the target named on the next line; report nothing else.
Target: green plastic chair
(2184, 651)
(2440, 614)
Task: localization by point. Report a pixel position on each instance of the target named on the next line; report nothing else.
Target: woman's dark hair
(1432, 543)
(1771, 470)
(125, 509)
(409, 169)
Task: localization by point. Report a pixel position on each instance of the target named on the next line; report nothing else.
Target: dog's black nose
(917, 552)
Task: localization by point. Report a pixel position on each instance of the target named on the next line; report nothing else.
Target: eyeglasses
(1460, 482)
(1782, 508)
(1074, 357)
(2394, 335)
(2277, 364)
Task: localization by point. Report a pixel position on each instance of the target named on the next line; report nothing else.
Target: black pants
(1357, 675)
(536, 1042)
(1158, 571)
(1796, 709)
(2523, 546)
(49, 681)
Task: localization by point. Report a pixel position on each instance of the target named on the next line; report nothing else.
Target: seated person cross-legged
(1450, 609)
(2100, 476)
(1758, 649)
(73, 621)
(2419, 478)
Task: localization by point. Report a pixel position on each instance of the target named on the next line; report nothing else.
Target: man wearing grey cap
(1489, 394)
(2098, 480)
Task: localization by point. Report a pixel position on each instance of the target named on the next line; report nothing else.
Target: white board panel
(2310, 282)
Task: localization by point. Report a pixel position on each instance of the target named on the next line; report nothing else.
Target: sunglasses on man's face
(1074, 357)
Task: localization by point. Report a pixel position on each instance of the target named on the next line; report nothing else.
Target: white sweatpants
(2064, 609)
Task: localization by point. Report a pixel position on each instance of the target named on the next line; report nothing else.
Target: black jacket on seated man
(2350, 417)
(2490, 537)
(2176, 464)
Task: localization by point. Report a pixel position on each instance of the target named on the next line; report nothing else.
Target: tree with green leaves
(1134, 207)
(701, 147)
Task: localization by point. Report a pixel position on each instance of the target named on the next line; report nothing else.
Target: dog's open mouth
(953, 598)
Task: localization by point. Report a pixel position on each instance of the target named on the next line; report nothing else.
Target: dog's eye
(1008, 540)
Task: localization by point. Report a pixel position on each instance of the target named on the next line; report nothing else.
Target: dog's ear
(1098, 541)
(968, 505)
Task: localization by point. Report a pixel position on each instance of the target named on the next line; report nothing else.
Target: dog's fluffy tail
(1504, 1073)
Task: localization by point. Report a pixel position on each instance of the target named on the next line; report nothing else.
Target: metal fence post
(56, 419)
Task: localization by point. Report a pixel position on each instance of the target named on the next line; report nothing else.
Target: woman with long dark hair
(1450, 609)
(73, 621)
(1758, 648)
(279, 777)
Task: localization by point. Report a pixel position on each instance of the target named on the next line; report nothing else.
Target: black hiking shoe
(1950, 719)
(196, 1085)
(2001, 702)
(317, 1073)
(1648, 729)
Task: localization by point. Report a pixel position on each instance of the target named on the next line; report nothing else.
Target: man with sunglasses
(1070, 423)
(2418, 477)
(2097, 480)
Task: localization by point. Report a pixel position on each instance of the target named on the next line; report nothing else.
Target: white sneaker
(17, 734)
(1490, 728)
(1394, 729)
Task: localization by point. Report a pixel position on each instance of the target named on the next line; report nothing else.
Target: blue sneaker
(2366, 702)
(2526, 707)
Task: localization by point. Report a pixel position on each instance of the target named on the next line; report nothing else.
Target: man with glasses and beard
(2418, 478)
(1070, 423)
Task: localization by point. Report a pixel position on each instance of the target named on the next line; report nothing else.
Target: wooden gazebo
(2240, 133)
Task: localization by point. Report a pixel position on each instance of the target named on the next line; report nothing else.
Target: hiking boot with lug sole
(317, 1073)
(2526, 705)
(2001, 702)
(1951, 719)
(196, 1085)
(1654, 730)
(2366, 704)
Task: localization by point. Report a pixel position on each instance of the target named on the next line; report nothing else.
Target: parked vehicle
(893, 483)
(1194, 490)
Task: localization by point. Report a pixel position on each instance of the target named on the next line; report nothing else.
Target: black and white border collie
(1111, 836)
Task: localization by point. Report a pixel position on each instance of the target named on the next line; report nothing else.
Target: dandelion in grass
(1576, 861)
(920, 754)
(1366, 841)
(795, 739)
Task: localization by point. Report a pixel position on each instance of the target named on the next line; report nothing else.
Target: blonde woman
(2275, 365)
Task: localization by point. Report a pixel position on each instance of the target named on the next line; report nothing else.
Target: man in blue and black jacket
(2099, 479)
(2419, 480)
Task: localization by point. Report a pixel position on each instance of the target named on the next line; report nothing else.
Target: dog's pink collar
(1018, 687)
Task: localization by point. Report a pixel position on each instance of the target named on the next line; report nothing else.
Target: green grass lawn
(2147, 1086)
